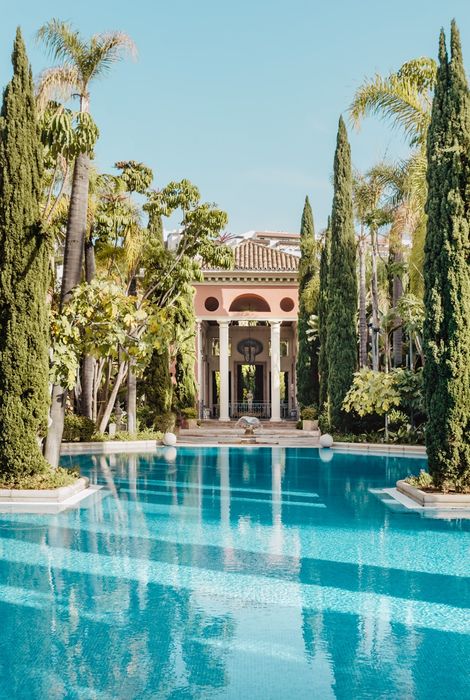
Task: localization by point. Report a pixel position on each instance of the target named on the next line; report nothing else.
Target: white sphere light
(169, 439)
(326, 440)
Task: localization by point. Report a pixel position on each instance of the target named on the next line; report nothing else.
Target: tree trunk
(112, 399)
(363, 332)
(89, 362)
(76, 228)
(131, 379)
(72, 272)
(96, 385)
(104, 397)
(90, 263)
(375, 303)
(131, 399)
(87, 377)
(397, 293)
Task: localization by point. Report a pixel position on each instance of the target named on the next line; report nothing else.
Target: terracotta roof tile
(254, 256)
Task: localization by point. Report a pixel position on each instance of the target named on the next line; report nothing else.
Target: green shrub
(165, 423)
(124, 436)
(424, 480)
(49, 479)
(99, 437)
(309, 413)
(78, 428)
(376, 437)
(324, 421)
(144, 417)
(189, 412)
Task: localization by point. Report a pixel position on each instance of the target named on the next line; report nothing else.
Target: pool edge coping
(112, 446)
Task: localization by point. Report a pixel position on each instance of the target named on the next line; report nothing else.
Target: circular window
(211, 304)
(287, 304)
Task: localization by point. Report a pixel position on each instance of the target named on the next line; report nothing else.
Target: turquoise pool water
(242, 573)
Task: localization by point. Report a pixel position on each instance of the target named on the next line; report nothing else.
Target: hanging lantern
(249, 348)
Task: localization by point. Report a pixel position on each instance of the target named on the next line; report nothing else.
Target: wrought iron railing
(254, 408)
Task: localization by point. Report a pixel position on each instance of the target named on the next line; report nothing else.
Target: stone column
(223, 369)
(275, 370)
(200, 388)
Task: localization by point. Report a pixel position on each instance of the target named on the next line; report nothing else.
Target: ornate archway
(249, 302)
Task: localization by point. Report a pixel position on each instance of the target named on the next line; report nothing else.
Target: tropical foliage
(94, 301)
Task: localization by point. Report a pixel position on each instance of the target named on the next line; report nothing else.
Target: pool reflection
(261, 573)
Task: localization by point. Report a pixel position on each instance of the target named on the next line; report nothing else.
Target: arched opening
(249, 302)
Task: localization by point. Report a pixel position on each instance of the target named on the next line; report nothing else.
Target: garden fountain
(250, 424)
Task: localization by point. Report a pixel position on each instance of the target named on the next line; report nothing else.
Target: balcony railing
(256, 408)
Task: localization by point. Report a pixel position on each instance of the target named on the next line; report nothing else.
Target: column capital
(274, 324)
(224, 322)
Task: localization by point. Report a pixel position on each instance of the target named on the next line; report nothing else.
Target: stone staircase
(283, 433)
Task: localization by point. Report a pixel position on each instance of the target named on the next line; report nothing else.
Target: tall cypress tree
(342, 286)
(24, 259)
(447, 273)
(157, 380)
(323, 318)
(307, 358)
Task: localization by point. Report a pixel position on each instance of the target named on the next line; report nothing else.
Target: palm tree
(405, 185)
(368, 191)
(80, 62)
(404, 99)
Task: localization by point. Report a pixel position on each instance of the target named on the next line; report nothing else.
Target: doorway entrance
(249, 391)
(250, 383)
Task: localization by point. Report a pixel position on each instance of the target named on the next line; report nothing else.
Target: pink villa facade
(247, 335)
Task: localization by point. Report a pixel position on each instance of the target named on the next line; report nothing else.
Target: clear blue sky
(243, 97)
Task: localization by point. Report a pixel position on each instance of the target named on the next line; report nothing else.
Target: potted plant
(189, 418)
(309, 415)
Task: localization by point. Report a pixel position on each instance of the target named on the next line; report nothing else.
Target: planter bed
(63, 493)
(380, 448)
(430, 499)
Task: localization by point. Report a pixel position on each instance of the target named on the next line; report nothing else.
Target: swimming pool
(252, 573)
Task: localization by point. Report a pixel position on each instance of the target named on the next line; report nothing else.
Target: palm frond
(133, 244)
(62, 41)
(56, 84)
(395, 99)
(414, 178)
(104, 51)
(89, 59)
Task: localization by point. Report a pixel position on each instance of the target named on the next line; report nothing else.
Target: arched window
(249, 302)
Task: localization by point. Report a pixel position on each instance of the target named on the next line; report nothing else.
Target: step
(223, 432)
